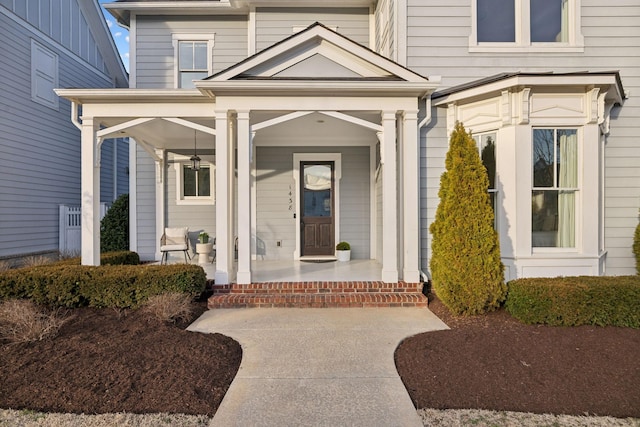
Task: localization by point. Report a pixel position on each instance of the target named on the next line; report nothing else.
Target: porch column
(224, 226)
(411, 197)
(389, 199)
(244, 199)
(90, 193)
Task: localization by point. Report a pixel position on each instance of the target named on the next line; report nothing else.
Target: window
(555, 184)
(517, 25)
(44, 75)
(194, 187)
(193, 58)
(486, 143)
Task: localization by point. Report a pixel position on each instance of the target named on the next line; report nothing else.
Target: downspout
(426, 279)
(74, 115)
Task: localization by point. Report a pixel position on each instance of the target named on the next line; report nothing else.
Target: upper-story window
(193, 58)
(531, 25)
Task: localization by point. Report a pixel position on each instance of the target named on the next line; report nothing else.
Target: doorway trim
(336, 158)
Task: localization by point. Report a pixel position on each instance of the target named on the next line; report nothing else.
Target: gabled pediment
(319, 54)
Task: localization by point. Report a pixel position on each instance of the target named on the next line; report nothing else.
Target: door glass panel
(317, 190)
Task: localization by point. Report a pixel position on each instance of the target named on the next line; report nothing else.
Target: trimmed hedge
(636, 247)
(122, 286)
(572, 301)
(108, 258)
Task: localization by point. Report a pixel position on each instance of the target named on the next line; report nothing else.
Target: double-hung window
(532, 25)
(555, 185)
(486, 143)
(193, 58)
(194, 187)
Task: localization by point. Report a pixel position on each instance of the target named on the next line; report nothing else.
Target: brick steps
(318, 295)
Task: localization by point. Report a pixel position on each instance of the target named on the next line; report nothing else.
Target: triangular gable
(317, 53)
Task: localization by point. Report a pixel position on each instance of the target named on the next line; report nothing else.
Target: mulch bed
(105, 361)
(495, 362)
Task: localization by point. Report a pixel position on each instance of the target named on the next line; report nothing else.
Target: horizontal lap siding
(146, 205)
(274, 219)
(155, 52)
(39, 146)
(275, 24)
(438, 40)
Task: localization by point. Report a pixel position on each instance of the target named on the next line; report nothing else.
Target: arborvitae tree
(636, 247)
(467, 273)
(114, 227)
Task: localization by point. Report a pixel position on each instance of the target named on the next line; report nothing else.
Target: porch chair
(175, 239)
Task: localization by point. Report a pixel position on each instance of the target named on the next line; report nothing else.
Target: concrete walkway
(317, 367)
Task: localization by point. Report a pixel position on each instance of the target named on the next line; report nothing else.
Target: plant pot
(343, 256)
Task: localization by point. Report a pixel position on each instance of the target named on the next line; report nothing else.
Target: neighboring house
(319, 122)
(46, 45)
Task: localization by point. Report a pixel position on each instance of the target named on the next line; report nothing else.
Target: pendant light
(195, 160)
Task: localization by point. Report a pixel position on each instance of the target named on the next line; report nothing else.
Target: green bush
(343, 246)
(572, 301)
(122, 286)
(466, 270)
(108, 258)
(636, 247)
(114, 227)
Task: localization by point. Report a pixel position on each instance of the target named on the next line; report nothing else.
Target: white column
(389, 199)
(224, 231)
(411, 199)
(161, 172)
(90, 193)
(244, 198)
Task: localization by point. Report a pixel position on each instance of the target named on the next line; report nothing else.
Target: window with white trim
(486, 143)
(44, 75)
(516, 25)
(555, 185)
(193, 58)
(194, 187)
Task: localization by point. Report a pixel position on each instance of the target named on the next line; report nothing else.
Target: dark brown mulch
(104, 361)
(495, 362)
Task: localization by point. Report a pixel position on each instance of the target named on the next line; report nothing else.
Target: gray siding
(114, 161)
(274, 219)
(438, 45)
(155, 52)
(39, 146)
(276, 24)
(146, 205)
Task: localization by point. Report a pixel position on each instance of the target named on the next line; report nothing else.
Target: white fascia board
(316, 87)
(82, 96)
(122, 11)
(582, 82)
(301, 3)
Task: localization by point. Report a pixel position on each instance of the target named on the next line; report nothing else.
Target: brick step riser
(318, 288)
(348, 300)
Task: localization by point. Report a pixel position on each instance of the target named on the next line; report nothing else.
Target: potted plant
(204, 237)
(343, 251)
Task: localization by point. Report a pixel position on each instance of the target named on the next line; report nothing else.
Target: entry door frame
(336, 158)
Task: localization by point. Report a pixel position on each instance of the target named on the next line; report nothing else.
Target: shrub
(23, 321)
(170, 306)
(571, 301)
(467, 273)
(108, 258)
(636, 247)
(114, 227)
(116, 286)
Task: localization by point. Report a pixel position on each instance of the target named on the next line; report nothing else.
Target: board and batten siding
(276, 24)
(274, 181)
(438, 44)
(155, 60)
(39, 146)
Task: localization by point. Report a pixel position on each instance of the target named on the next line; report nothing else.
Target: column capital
(388, 115)
(410, 115)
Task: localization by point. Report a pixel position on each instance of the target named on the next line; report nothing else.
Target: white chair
(175, 239)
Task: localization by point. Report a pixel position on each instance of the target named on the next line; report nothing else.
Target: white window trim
(523, 33)
(37, 74)
(195, 37)
(577, 248)
(181, 199)
(496, 219)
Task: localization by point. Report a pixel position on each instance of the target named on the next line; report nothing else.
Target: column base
(390, 276)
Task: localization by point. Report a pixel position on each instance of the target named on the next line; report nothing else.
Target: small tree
(114, 227)
(467, 273)
(636, 247)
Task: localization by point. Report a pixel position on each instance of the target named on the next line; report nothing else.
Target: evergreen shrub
(114, 227)
(108, 258)
(636, 247)
(116, 286)
(466, 270)
(572, 301)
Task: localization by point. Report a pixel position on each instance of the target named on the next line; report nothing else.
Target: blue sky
(120, 35)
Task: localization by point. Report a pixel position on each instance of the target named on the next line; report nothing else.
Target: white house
(45, 45)
(318, 122)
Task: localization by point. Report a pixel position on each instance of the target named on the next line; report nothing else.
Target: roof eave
(87, 96)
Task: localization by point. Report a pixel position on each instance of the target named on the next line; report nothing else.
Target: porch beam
(389, 199)
(224, 233)
(115, 130)
(90, 197)
(411, 197)
(244, 198)
(191, 125)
